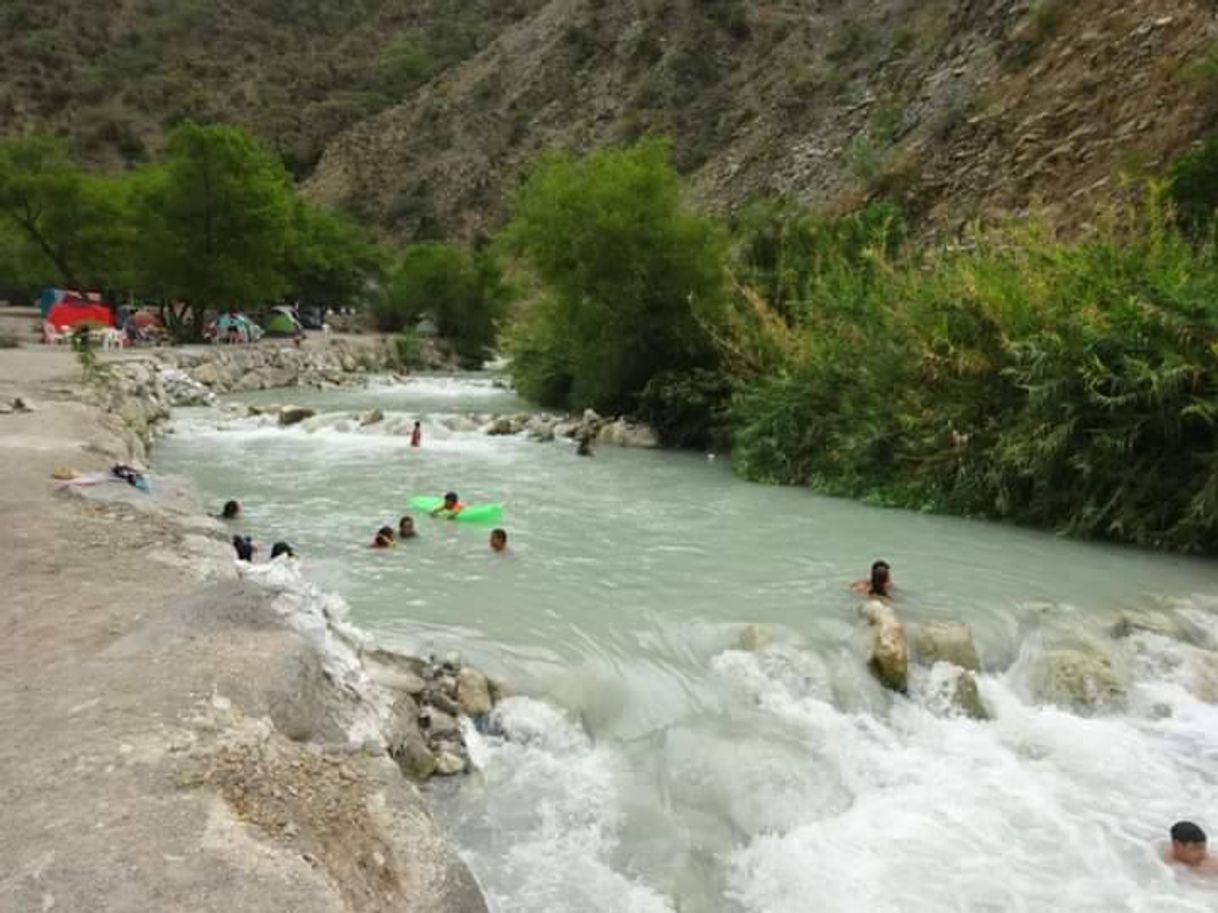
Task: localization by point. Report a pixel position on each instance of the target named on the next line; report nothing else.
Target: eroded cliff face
(956, 109)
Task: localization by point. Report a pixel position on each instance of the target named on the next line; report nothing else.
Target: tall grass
(1071, 385)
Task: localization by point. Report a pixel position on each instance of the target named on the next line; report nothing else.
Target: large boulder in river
(1081, 679)
(889, 659)
(294, 415)
(949, 642)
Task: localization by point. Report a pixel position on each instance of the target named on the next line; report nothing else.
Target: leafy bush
(630, 277)
(1193, 186)
(408, 350)
(462, 293)
(686, 407)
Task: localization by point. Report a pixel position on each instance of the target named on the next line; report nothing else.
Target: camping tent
(75, 312)
(283, 322)
(233, 327)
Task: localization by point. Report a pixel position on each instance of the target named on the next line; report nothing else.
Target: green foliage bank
(1064, 383)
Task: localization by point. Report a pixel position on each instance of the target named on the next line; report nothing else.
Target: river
(693, 727)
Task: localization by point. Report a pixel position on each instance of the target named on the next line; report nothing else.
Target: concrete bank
(174, 734)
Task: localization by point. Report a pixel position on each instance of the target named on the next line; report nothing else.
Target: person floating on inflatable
(450, 508)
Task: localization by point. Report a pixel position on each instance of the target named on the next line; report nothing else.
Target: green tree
(462, 292)
(214, 222)
(72, 227)
(630, 277)
(329, 260)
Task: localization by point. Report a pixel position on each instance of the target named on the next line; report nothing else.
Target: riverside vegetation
(1064, 382)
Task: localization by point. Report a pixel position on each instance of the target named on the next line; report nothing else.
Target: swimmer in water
(384, 538)
(499, 540)
(1189, 848)
(281, 548)
(406, 528)
(231, 510)
(879, 585)
(245, 548)
(451, 507)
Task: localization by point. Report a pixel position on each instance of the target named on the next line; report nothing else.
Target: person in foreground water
(282, 548)
(416, 435)
(384, 538)
(451, 507)
(406, 528)
(878, 585)
(231, 510)
(245, 548)
(499, 540)
(1189, 848)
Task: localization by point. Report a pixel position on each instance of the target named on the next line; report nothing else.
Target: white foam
(1037, 810)
(544, 831)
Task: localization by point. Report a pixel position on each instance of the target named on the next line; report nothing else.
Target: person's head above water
(384, 537)
(451, 499)
(231, 510)
(406, 528)
(881, 578)
(499, 539)
(1188, 844)
(281, 548)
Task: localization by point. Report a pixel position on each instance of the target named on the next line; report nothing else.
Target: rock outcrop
(889, 652)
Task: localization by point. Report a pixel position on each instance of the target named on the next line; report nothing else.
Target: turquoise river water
(694, 728)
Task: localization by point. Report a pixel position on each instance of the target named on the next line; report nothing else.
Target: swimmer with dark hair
(1190, 849)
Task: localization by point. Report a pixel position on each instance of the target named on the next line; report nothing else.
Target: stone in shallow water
(473, 692)
(293, 415)
(449, 763)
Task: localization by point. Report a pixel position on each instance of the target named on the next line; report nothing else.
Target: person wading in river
(416, 435)
(879, 585)
(1189, 848)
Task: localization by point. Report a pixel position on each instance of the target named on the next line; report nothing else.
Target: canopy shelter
(283, 322)
(72, 313)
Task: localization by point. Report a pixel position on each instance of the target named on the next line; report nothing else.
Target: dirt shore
(141, 767)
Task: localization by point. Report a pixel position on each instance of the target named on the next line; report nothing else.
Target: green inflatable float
(471, 513)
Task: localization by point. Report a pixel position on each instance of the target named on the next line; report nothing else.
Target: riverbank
(176, 733)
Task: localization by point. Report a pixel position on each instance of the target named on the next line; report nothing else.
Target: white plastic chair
(52, 335)
(111, 339)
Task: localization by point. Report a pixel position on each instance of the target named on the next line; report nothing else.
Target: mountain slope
(957, 108)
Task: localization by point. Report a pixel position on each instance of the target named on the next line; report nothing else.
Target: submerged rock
(889, 660)
(450, 763)
(372, 417)
(967, 697)
(1076, 678)
(754, 637)
(1148, 621)
(294, 415)
(947, 641)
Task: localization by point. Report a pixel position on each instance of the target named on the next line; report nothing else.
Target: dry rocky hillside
(419, 115)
